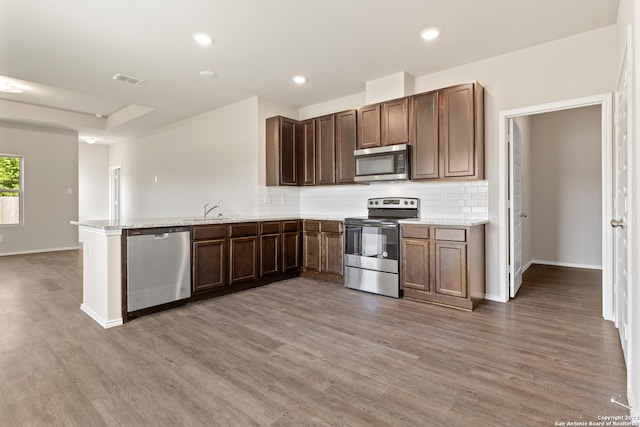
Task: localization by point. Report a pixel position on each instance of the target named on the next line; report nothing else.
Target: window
(10, 189)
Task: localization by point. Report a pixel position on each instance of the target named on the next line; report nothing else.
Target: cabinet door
(346, 138)
(332, 253)
(290, 251)
(308, 153)
(325, 150)
(451, 269)
(209, 265)
(312, 252)
(243, 259)
(424, 136)
(369, 126)
(457, 132)
(415, 264)
(269, 255)
(288, 153)
(395, 122)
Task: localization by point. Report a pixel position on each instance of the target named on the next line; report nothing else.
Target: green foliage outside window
(9, 176)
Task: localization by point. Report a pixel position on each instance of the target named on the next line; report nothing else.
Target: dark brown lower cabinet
(243, 254)
(323, 248)
(443, 265)
(209, 258)
(290, 246)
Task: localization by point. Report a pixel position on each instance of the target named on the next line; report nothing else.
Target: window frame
(19, 191)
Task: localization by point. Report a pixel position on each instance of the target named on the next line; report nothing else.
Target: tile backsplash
(438, 200)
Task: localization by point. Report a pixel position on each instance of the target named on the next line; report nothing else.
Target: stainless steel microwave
(389, 163)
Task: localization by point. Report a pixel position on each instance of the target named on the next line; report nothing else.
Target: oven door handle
(374, 225)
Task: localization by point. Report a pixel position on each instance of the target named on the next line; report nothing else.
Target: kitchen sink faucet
(206, 211)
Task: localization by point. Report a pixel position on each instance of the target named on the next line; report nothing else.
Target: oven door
(372, 245)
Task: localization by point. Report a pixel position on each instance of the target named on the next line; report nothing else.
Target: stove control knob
(376, 202)
(413, 202)
(406, 203)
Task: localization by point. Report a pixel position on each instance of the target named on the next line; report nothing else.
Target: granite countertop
(110, 225)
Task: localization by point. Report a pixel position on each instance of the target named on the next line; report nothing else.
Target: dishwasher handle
(157, 232)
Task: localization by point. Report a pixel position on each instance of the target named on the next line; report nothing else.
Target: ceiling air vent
(128, 79)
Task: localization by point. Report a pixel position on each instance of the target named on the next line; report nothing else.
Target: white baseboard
(565, 264)
(527, 265)
(39, 251)
(104, 323)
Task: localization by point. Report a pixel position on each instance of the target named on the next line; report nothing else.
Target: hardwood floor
(304, 352)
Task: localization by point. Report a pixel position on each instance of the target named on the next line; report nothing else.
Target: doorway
(507, 210)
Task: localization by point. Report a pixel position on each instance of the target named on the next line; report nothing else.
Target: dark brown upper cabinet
(447, 133)
(346, 141)
(369, 126)
(308, 153)
(325, 150)
(425, 156)
(395, 122)
(282, 151)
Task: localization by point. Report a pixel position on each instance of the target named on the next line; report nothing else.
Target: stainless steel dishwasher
(158, 266)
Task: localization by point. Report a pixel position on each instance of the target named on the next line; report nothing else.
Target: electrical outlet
(69, 191)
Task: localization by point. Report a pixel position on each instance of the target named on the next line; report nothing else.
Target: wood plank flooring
(305, 353)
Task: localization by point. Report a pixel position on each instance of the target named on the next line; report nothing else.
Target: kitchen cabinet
(308, 153)
(209, 254)
(243, 252)
(290, 246)
(269, 248)
(369, 126)
(447, 133)
(443, 265)
(395, 122)
(323, 248)
(346, 143)
(386, 123)
(325, 150)
(282, 152)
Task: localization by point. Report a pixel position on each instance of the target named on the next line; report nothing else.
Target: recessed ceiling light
(430, 33)
(208, 74)
(10, 87)
(299, 79)
(90, 140)
(202, 39)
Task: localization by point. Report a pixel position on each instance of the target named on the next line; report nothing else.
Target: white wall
(524, 123)
(93, 182)
(566, 209)
(210, 157)
(50, 170)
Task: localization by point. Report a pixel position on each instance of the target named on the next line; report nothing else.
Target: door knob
(615, 223)
(523, 215)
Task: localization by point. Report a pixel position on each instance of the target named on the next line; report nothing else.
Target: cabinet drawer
(451, 234)
(289, 226)
(270, 227)
(311, 225)
(331, 226)
(415, 231)
(246, 229)
(209, 232)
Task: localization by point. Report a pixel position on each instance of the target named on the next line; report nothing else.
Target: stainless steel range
(372, 245)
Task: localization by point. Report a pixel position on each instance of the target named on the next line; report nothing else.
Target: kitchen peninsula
(227, 255)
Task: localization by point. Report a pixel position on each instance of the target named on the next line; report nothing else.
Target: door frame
(605, 102)
(112, 214)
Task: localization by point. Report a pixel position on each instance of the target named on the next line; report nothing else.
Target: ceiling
(64, 53)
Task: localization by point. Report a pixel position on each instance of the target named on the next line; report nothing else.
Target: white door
(621, 203)
(515, 208)
(114, 194)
